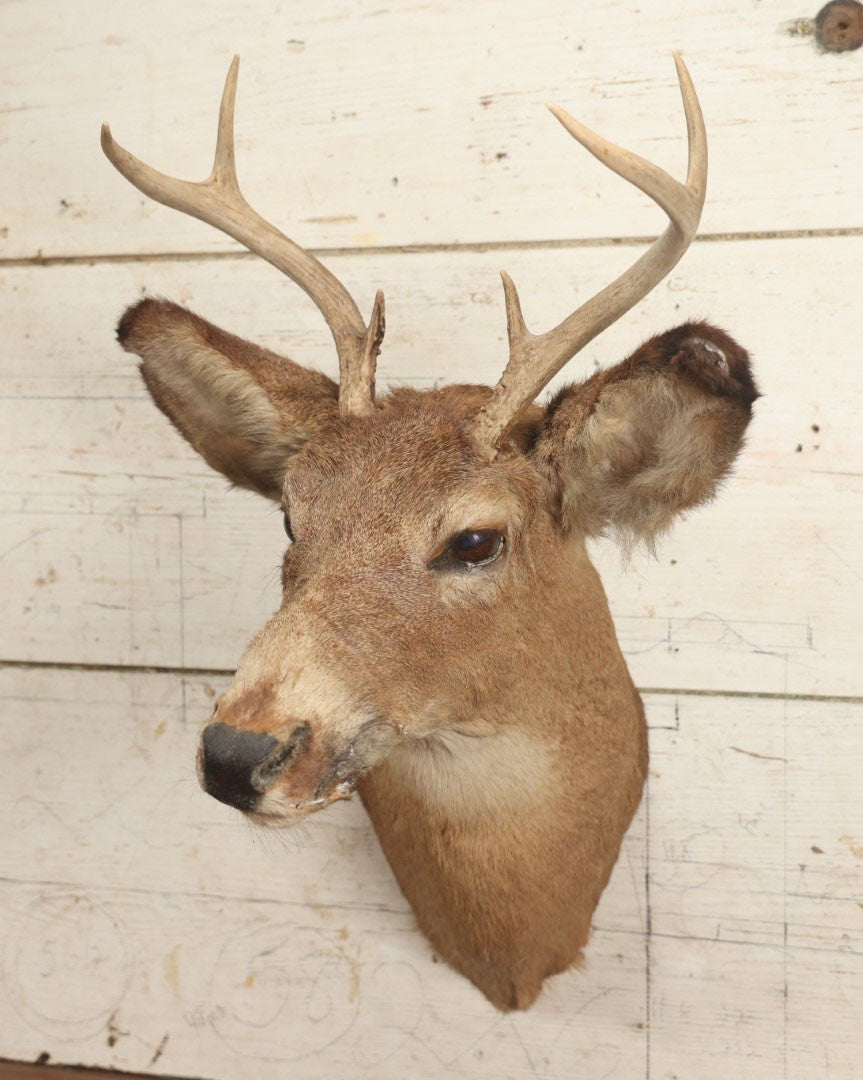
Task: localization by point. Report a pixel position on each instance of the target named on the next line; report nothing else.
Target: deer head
(443, 641)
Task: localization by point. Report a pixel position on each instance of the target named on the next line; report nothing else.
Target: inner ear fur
(631, 447)
(243, 408)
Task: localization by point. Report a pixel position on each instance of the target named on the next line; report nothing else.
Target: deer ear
(243, 408)
(632, 447)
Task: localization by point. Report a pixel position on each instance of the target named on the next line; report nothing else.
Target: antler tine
(224, 172)
(218, 201)
(536, 358)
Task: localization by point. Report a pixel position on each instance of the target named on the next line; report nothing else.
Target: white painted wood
(756, 887)
(367, 125)
(139, 915)
(122, 547)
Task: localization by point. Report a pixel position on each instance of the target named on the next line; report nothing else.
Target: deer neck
(503, 842)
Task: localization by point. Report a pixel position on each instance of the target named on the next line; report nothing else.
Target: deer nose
(231, 763)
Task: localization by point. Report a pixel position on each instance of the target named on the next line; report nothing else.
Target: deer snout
(237, 766)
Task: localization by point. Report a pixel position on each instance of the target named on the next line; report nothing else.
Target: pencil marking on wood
(66, 967)
(752, 753)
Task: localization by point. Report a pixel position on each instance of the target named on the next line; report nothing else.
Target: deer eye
(288, 533)
(477, 547)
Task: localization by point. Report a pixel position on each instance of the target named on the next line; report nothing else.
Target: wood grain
(361, 124)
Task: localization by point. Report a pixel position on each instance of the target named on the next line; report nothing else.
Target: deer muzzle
(238, 767)
(277, 778)
(288, 736)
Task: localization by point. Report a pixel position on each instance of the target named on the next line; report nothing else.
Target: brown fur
(488, 716)
(243, 408)
(634, 446)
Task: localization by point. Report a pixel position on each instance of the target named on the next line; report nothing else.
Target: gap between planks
(216, 673)
(421, 249)
(45, 1070)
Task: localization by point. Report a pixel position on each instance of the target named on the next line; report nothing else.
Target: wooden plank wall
(141, 926)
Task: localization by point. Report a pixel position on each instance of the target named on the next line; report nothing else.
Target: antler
(218, 201)
(534, 359)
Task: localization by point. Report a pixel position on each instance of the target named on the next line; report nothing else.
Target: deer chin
(278, 810)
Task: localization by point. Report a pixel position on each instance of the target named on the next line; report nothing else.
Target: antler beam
(536, 358)
(218, 201)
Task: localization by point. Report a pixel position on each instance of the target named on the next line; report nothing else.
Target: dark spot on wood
(160, 1049)
(816, 428)
(817, 850)
(798, 449)
(839, 26)
(43, 1058)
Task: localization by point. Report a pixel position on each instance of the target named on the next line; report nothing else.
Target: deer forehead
(414, 469)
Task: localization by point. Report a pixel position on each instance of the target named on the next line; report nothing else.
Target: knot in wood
(839, 26)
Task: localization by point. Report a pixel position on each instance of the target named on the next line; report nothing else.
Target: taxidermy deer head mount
(444, 644)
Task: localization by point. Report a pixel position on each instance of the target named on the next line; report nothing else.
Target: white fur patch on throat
(466, 776)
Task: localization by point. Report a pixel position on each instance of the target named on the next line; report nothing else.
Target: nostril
(277, 761)
(230, 758)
